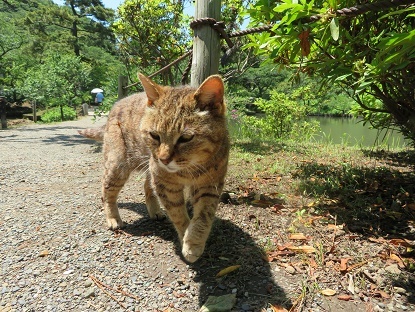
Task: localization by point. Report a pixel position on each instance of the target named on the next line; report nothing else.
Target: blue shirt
(99, 97)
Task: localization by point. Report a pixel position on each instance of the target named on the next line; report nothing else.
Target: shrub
(282, 118)
(54, 114)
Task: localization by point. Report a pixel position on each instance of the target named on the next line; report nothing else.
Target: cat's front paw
(159, 215)
(114, 223)
(192, 252)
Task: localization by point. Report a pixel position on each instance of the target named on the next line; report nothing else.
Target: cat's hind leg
(152, 202)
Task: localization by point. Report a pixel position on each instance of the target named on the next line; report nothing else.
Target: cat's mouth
(171, 167)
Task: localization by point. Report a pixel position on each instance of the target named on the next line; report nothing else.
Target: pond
(351, 131)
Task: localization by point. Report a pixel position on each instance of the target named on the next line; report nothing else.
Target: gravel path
(57, 255)
(55, 250)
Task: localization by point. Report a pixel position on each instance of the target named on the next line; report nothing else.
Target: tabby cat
(178, 137)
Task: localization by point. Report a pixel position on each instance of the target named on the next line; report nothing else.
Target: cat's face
(181, 129)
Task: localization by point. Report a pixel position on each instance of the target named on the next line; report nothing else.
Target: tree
(151, 34)
(83, 22)
(371, 54)
(60, 81)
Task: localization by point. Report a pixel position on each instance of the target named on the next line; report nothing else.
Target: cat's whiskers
(201, 170)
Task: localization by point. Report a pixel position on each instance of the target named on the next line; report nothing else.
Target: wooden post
(122, 83)
(206, 43)
(34, 111)
(3, 112)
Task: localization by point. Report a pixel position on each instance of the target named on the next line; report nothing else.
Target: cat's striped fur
(178, 136)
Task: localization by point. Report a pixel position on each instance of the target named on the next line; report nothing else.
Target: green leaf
(218, 304)
(334, 28)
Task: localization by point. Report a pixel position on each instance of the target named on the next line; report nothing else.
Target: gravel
(57, 255)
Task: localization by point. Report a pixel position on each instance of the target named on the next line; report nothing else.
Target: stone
(290, 269)
(393, 269)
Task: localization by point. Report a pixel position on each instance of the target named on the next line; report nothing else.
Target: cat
(178, 137)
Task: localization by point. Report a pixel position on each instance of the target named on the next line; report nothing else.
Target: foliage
(151, 34)
(61, 80)
(39, 29)
(282, 118)
(370, 54)
(81, 24)
(55, 114)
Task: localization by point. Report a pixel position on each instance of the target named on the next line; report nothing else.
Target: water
(350, 131)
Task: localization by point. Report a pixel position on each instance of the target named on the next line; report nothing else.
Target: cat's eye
(155, 136)
(184, 138)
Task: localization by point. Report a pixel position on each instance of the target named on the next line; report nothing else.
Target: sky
(113, 4)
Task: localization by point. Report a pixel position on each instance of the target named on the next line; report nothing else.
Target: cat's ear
(152, 89)
(209, 96)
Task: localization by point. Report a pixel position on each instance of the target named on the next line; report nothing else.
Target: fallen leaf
(44, 253)
(328, 292)
(344, 297)
(303, 248)
(332, 226)
(350, 286)
(285, 246)
(381, 293)
(228, 270)
(343, 264)
(274, 255)
(398, 259)
(262, 203)
(401, 242)
(222, 303)
(277, 207)
(278, 309)
(297, 236)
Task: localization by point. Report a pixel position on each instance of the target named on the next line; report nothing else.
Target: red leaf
(344, 297)
(304, 42)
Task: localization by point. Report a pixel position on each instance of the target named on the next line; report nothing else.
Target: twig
(298, 302)
(102, 287)
(113, 289)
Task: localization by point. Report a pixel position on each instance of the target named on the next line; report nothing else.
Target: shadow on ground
(376, 201)
(54, 136)
(228, 245)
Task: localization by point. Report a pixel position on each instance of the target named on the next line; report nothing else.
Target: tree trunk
(3, 121)
(206, 43)
(61, 106)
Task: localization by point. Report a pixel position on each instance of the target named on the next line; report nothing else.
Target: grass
(371, 186)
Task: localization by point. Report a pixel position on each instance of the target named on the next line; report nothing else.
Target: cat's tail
(96, 134)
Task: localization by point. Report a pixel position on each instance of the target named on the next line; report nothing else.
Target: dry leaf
(273, 255)
(350, 286)
(398, 259)
(344, 297)
(328, 292)
(343, 264)
(278, 309)
(44, 253)
(228, 270)
(262, 203)
(303, 248)
(332, 226)
(401, 242)
(298, 236)
(277, 207)
(382, 294)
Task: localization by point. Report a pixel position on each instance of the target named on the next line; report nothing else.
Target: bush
(54, 114)
(282, 118)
